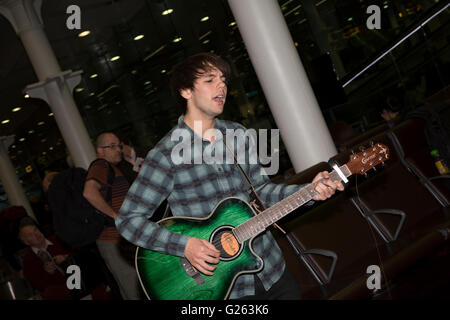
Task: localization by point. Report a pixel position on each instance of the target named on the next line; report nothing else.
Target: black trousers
(286, 288)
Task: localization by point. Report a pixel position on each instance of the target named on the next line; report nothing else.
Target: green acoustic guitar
(231, 227)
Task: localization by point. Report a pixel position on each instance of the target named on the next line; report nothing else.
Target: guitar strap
(255, 200)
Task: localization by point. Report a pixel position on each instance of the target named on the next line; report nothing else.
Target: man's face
(209, 94)
(32, 236)
(110, 149)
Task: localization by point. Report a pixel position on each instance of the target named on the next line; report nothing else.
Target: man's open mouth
(219, 99)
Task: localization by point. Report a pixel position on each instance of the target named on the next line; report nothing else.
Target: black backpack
(75, 220)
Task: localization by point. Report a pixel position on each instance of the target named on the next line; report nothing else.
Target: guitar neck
(262, 221)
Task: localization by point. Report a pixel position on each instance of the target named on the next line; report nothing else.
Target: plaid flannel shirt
(193, 190)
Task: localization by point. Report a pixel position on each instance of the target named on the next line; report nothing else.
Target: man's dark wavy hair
(186, 72)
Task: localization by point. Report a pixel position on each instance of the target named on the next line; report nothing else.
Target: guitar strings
(226, 237)
(291, 201)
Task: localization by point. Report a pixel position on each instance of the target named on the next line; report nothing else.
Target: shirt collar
(218, 124)
(47, 243)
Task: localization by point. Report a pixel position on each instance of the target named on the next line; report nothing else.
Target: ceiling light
(16, 109)
(147, 82)
(31, 131)
(139, 37)
(178, 39)
(22, 139)
(206, 41)
(5, 121)
(50, 114)
(94, 76)
(41, 123)
(232, 24)
(27, 96)
(204, 19)
(163, 71)
(84, 33)
(79, 89)
(115, 58)
(166, 12)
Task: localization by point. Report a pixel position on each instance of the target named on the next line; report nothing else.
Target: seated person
(41, 263)
(393, 111)
(45, 264)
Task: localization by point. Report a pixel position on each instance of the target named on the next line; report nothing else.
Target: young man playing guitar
(194, 188)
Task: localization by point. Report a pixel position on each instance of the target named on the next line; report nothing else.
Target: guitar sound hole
(224, 240)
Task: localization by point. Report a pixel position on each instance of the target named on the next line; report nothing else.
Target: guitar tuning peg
(352, 151)
(361, 148)
(371, 143)
(365, 174)
(374, 169)
(383, 164)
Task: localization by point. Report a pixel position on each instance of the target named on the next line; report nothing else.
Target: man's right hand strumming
(200, 253)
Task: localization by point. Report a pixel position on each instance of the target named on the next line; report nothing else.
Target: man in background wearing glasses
(105, 189)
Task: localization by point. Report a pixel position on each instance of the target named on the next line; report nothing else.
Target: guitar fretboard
(260, 222)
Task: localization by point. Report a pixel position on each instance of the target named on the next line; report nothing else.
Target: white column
(10, 181)
(284, 81)
(54, 86)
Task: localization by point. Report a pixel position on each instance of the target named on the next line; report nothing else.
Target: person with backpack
(106, 194)
(77, 224)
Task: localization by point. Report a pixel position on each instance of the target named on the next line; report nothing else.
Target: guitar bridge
(191, 272)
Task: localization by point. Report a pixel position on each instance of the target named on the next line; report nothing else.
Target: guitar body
(167, 277)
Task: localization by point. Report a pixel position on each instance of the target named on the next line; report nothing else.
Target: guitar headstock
(367, 159)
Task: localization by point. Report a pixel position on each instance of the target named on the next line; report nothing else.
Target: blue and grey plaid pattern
(193, 190)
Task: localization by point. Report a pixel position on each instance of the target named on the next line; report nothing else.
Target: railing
(411, 68)
(405, 36)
